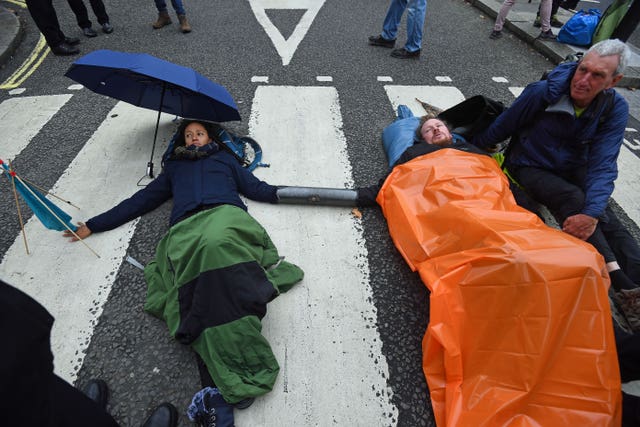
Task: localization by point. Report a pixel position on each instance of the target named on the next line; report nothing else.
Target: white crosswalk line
(66, 278)
(441, 97)
(627, 184)
(22, 118)
(322, 331)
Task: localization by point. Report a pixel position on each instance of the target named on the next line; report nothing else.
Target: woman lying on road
(216, 268)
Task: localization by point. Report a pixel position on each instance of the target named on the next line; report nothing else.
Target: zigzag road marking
(322, 331)
(66, 278)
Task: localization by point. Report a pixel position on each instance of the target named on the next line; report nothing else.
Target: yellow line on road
(18, 2)
(29, 66)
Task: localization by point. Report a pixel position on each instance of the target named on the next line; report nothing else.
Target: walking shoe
(107, 28)
(537, 23)
(72, 41)
(209, 409)
(164, 415)
(163, 20)
(381, 41)
(555, 22)
(628, 300)
(184, 24)
(495, 34)
(97, 391)
(405, 54)
(64, 49)
(89, 32)
(244, 403)
(546, 35)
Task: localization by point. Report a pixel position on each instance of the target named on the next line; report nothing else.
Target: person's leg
(45, 18)
(161, 5)
(628, 23)
(163, 15)
(178, 7)
(545, 15)
(100, 11)
(392, 19)
(416, 11)
(502, 14)
(563, 198)
(71, 408)
(624, 245)
(81, 13)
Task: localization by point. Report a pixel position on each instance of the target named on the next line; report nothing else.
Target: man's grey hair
(613, 47)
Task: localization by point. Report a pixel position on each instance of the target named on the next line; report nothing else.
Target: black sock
(620, 281)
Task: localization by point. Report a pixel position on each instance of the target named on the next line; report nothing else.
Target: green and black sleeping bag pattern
(210, 281)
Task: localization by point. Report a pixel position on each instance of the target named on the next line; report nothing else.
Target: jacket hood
(559, 80)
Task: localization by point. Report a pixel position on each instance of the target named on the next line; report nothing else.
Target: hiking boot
(555, 22)
(628, 300)
(380, 41)
(405, 54)
(537, 23)
(546, 35)
(209, 409)
(495, 34)
(163, 20)
(184, 24)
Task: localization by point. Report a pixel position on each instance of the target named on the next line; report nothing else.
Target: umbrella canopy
(149, 82)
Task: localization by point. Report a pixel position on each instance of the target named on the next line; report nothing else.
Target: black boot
(165, 415)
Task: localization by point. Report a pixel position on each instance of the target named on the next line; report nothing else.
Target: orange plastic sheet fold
(520, 330)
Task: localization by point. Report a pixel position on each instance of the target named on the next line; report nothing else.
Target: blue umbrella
(149, 82)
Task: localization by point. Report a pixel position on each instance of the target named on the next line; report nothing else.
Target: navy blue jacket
(546, 134)
(214, 180)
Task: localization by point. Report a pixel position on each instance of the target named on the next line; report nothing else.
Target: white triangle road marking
(286, 47)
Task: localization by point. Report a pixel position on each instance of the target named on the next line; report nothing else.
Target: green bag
(610, 20)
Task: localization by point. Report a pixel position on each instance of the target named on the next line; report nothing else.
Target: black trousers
(82, 15)
(629, 22)
(564, 197)
(44, 15)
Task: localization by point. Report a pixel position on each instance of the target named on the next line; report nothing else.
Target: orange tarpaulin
(520, 330)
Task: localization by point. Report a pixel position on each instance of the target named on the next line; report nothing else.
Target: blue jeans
(415, 22)
(177, 6)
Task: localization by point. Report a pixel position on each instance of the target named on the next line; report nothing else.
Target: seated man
(566, 133)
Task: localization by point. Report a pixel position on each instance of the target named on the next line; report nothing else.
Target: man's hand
(83, 232)
(581, 226)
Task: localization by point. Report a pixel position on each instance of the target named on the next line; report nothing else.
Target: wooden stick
(15, 195)
(58, 218)
(49, 193)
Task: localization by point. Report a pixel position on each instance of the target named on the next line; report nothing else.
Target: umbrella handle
(150, 169)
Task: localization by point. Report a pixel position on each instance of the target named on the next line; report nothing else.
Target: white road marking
(500, 79)
(627, 184)
(324, 78)
(323, 331)
(385, 79)
(515, 90)
(441, 97)
(22, 118)
(66, 278)
(443, 79)
(286, 48)
(260, 79)
(75, 87)
(17, 91)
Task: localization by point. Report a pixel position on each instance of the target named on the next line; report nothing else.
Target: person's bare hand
(581, 226)
(82, 232)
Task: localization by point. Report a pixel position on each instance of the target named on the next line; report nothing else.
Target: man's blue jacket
(214, 180)
(545, 133)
